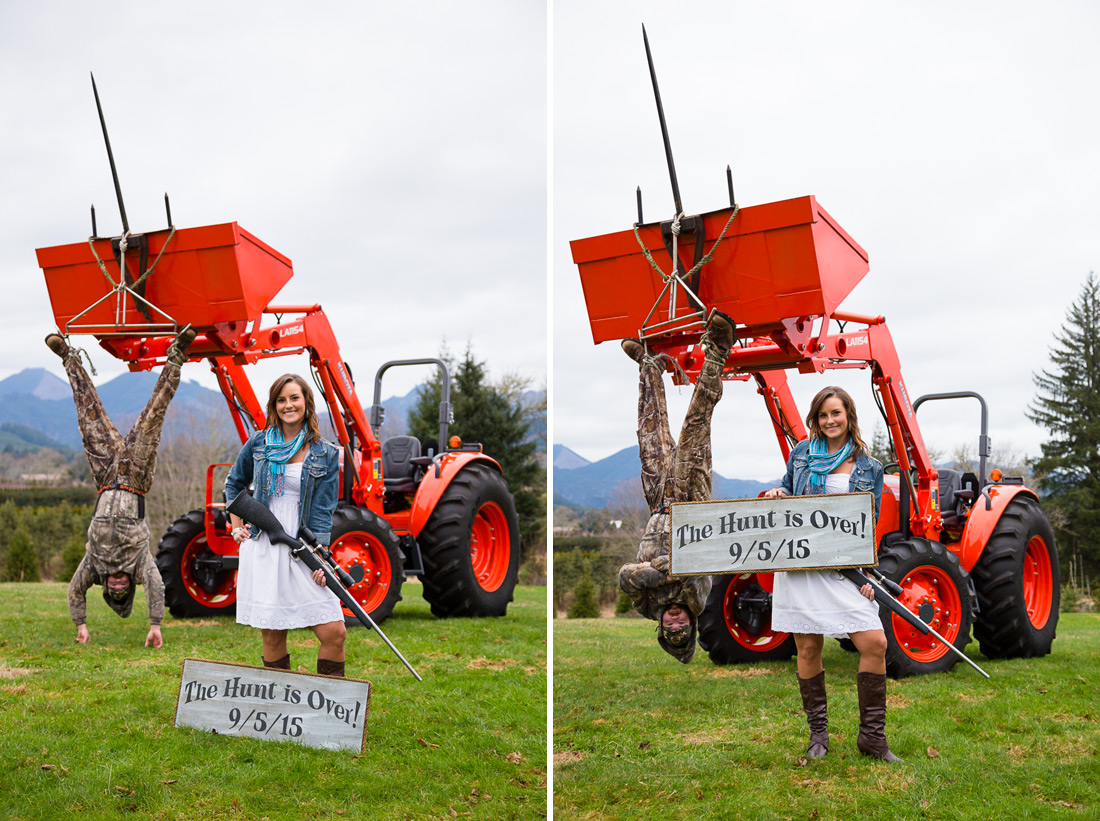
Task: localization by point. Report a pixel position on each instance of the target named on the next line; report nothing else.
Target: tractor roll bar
(446, 412)
(985, 450)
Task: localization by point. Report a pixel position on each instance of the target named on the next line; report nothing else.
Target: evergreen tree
(584, 604)
(499, 421)
(22, 564)
(1068, 406)
(881, 446)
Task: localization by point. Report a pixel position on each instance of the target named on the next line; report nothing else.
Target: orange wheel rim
(490, 547)
(930, 593)
(1038, 578)
(224, 596)
(360, 548)
(760, 642)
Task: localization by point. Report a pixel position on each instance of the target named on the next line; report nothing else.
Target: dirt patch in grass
(566, 757)
(489, 664)
(15, 672)
(738, 672)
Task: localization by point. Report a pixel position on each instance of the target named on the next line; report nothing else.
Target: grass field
(639, 736)
(87, 730)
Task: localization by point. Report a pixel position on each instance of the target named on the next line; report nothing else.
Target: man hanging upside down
(117, 554)
(673, 472)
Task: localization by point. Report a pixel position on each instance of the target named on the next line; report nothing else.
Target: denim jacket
(866, 475)
(320, 483)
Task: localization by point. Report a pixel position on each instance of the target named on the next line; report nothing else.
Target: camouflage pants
(113, 459)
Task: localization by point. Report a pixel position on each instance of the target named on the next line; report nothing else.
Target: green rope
(149, 270)
(99, 262)
(76, 353)
(706, 258)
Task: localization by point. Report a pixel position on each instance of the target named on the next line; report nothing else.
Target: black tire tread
(347, 518)
(1003, 627)
(169, 555)
(715, 638)
(895, 562)
(449, 584)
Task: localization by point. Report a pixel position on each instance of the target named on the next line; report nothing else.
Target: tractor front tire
(723, 636)
(1019, 585)
(194, 582)
(470, 546)
(936, 588)
(362, 539)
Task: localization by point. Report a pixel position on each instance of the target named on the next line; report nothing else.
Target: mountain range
(37, 410)
(581, 483)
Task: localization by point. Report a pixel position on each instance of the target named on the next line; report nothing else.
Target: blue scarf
(277, 452)
(822, 463)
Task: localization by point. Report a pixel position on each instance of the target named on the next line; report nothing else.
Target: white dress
(822, 601)
(275, 591)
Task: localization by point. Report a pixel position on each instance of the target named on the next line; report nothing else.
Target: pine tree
(584, 604)
(22, 564)
(500, 422)
(1068, 406)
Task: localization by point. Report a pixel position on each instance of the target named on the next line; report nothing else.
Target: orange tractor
(966, 549)
(439, 510)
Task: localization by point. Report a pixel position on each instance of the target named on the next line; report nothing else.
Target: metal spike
(664, 127)
(111, 158)
(95, 233)
(729, 185)
(167, 209)
(639, 194)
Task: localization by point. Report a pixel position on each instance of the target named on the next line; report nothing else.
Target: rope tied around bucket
(76, 353)
(676, 232)
(144, 276)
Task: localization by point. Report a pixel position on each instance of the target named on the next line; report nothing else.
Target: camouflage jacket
(117, 545)
(649, 586)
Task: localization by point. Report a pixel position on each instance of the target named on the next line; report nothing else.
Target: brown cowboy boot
(57, 344)
(813, 702)
(326, 667)
(278, 664)
(722, 333)
(872, 717)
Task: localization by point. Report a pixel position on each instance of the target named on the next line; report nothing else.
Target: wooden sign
(276, 705)
(771, 535)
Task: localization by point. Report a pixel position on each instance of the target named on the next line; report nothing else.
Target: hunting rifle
(879, 584)
(313, 555)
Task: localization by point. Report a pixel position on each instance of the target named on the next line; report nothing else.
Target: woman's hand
(867, 592)
(319, 578)
(774, 493)
(239, 534)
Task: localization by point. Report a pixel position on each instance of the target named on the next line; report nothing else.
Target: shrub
(584, 605)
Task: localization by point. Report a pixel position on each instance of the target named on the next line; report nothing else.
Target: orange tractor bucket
(206, 276)
(780, 260)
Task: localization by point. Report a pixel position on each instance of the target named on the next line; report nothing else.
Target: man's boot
(57, 344)
(634, 349)
(722, 334)
(278, 664)
(177, 351)
(325, 667)
(872, 716)
(813, 702)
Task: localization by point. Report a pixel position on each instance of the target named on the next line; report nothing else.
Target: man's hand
(154, 639)
(82, 634)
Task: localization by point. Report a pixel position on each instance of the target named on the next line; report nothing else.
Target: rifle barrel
(664, 128)
(892, 604)
(111, 159)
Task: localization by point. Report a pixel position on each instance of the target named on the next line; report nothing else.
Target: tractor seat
(397, 465)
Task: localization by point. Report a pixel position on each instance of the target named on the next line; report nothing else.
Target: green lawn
(87, 730)
(637, 735)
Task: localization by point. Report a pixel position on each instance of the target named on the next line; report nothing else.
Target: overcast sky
(397, 153)
(958, 143)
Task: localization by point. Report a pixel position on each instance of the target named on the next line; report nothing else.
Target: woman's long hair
(845, 398)
(313, 429)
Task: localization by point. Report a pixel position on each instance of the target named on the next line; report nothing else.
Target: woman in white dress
(295, 472)
(814, 604)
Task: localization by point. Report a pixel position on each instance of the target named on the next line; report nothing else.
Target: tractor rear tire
(194, 585)
(470, 546)
(935, 586)
(725, 639)
(1019, 585)
(360, 538)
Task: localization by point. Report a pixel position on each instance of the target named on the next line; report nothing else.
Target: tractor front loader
(966, 549)
(440, 510)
